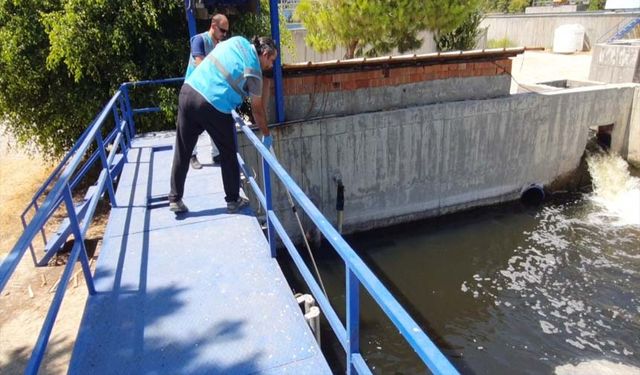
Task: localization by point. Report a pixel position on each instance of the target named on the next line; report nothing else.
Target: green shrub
(500, 43)
(463, 38)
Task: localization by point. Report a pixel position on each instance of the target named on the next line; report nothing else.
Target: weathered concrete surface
(615, 63)
(625, 138)
(422, 161)
(340, 103)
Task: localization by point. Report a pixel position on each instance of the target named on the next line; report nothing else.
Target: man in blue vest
(219, 84)
(201, 45)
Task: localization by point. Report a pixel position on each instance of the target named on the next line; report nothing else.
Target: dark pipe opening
(532, 195)
(604, 136)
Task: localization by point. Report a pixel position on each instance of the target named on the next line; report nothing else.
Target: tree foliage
(464, 37)
(61, 60)
(505, 6)
(374, 27)
(597, 4)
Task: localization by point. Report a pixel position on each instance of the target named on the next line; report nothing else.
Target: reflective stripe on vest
(209, 45)
(221, 77)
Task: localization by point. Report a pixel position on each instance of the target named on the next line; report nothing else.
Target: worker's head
(219, 27)
(267, 51)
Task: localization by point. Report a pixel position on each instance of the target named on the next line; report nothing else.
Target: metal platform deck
(192, 294)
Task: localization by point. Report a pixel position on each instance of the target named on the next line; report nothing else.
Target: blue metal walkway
(197, 293)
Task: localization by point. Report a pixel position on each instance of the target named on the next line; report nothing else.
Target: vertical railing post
(266, 178)
(105, 165)
(128, 110)
(122, 116)
(118, 123)
(353, 318)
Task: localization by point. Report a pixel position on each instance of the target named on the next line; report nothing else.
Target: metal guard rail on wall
(66, 179)
(357, 271)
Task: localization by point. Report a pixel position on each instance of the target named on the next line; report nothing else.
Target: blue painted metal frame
(357, 272)
(65, 177)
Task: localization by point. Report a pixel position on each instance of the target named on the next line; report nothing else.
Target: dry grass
(25, 300)
(20, 178)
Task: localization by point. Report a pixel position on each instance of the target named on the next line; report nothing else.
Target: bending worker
(231, 72)
(201, 45)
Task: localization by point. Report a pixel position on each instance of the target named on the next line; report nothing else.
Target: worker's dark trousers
(196, 115)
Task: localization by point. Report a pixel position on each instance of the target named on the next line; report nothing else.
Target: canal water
(510, 289)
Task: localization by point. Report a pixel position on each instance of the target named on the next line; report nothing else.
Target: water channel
(510, 289)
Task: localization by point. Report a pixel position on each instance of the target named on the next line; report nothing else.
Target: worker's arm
(197, 49)
(259, 114)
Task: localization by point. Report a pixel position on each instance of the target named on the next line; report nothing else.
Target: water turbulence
(576, 276)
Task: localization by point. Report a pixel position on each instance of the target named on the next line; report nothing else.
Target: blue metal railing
(68, 174)
(357, 272)
(626, 29)
(73, 169)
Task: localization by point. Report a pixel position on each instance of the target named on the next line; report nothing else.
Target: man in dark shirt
(201, 45)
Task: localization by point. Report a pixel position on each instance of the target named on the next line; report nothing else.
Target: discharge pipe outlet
(339, 201)
(532, 194)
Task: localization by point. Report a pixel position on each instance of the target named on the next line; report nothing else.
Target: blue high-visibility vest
(221, 76)
(209, 44)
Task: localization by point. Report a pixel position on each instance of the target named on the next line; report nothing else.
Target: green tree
(464, 37)
(61, 60)
(374, 27)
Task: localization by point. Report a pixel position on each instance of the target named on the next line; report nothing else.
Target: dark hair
(264, 44)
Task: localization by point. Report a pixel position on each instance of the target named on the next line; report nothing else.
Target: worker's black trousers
(196, 115)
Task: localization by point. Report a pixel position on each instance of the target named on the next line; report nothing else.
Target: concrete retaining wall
(536, 30)
(615, 63)
(423, 161)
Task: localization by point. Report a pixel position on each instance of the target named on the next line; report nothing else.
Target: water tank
(568, 38)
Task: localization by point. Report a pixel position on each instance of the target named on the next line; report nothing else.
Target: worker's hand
(267, 141)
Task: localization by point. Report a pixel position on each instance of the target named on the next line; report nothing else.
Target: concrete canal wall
(410, 142)
(423, 161)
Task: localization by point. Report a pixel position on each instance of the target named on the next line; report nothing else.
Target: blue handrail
(65, 177)
(357, 273)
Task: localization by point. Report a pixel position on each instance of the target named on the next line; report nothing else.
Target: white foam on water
(615, 190)
(597, 367)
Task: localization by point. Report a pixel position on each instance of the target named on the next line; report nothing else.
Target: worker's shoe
(195, 164)
(178, 207)
(237, 205)
(216, 159)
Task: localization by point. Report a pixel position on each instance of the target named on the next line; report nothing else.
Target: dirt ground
(26, 298)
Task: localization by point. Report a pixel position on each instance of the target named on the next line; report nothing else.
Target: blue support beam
(191, 18)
